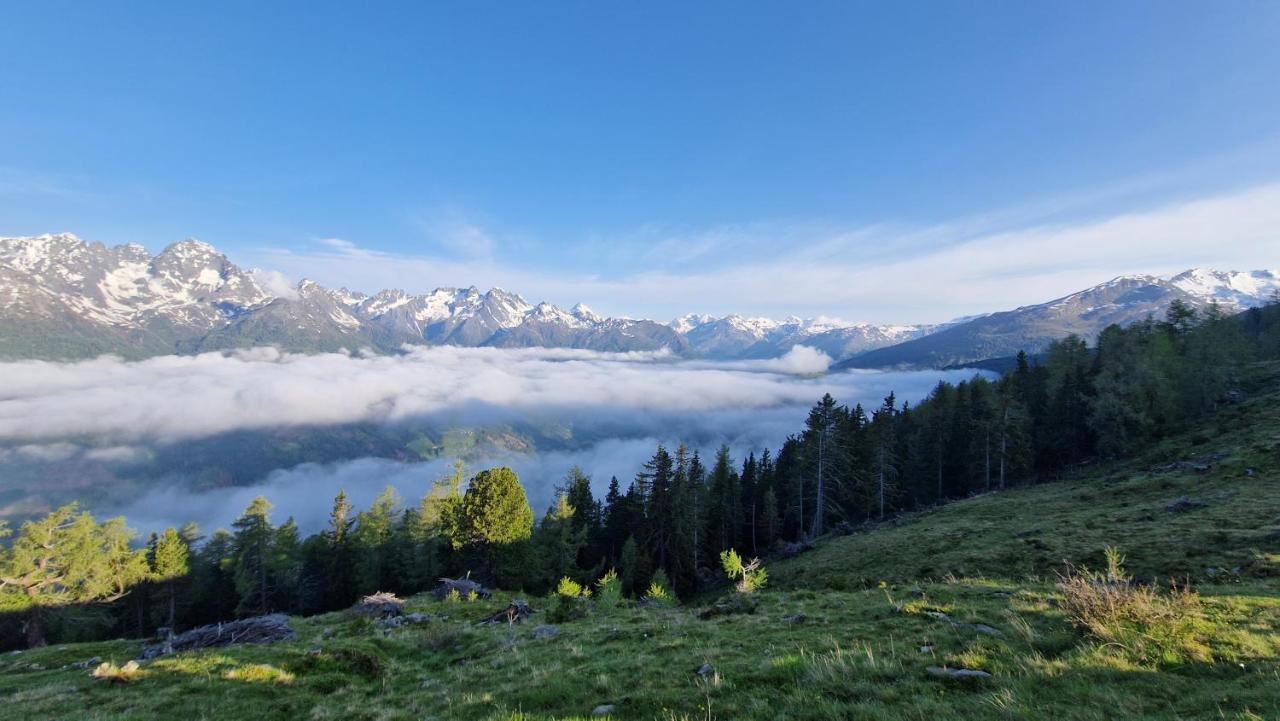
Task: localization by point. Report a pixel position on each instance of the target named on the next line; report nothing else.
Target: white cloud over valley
(618, 407)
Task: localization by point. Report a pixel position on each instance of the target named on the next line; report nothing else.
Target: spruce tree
(251, 549)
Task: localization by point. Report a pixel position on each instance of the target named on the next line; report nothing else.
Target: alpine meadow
(640, 361)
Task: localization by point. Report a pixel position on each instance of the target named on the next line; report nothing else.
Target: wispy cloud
(881, 273)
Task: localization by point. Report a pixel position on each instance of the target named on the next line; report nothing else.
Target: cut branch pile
(464, 586)
(261, 629)
(379, 605)
(515, 612)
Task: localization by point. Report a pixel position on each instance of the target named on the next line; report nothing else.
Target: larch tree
(67, 558)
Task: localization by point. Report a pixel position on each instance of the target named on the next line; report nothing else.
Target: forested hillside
(847, 467)
(1158, 445)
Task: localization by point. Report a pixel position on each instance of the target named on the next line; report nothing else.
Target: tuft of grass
(1143, 624)
(114, 674)
(259, 673)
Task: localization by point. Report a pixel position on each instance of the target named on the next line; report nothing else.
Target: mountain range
(62, 298)
(1032, 328)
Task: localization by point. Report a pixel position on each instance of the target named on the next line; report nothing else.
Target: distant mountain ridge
(1032, 328)
(734, 336)
(63, 298)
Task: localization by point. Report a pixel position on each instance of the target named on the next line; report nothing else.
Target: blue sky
(892, 162)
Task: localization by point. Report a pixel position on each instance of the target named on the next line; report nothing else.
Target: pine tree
(559, 540)
(339, 563)
(251, 558)
(371, 538)
(885, 459)
(720, 518)
(656, 484)
(170, 562)
(493, 518)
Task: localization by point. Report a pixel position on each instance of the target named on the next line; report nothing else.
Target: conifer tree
(251, 558)
(493, 517)
(63, 559)
(170, 562)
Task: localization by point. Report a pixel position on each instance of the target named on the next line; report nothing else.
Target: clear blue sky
(648, 158)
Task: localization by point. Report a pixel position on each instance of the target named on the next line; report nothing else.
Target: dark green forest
(69, 577)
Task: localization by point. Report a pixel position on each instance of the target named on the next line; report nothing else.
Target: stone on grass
(1181, 505)
(705, 669)
(546, 631)
(603, 709)
(957, 673)
(86, 664)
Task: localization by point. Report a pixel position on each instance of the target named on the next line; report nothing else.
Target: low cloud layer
(172, 398)
(619, 405)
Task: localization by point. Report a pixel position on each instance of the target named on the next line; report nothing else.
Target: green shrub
(569, 588)
(1143, 624)
(569, 601)
(609, 590)
(659, 590)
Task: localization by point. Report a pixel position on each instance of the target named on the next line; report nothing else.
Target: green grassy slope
(848, 630)
(1232, 528)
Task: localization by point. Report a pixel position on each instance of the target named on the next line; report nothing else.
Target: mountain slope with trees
(869, 623)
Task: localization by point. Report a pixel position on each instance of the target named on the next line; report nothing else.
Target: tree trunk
(939, 466)
(986, 447)
(35, 630)
(1004, 444)
(880, 481)
(173, 605)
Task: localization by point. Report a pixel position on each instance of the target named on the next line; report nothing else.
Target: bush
(658, 593)
(570, 601)
(609, 590)
(750, 577)
(569, 588)
(1143, 624)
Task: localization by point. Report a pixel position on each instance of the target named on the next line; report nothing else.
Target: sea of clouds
(108, 409)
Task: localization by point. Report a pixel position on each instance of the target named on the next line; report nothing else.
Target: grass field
(848, 630)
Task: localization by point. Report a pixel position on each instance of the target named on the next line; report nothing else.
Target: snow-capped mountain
(735, 336)
(61, 297)
(1234, 290)
(1032, 328)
